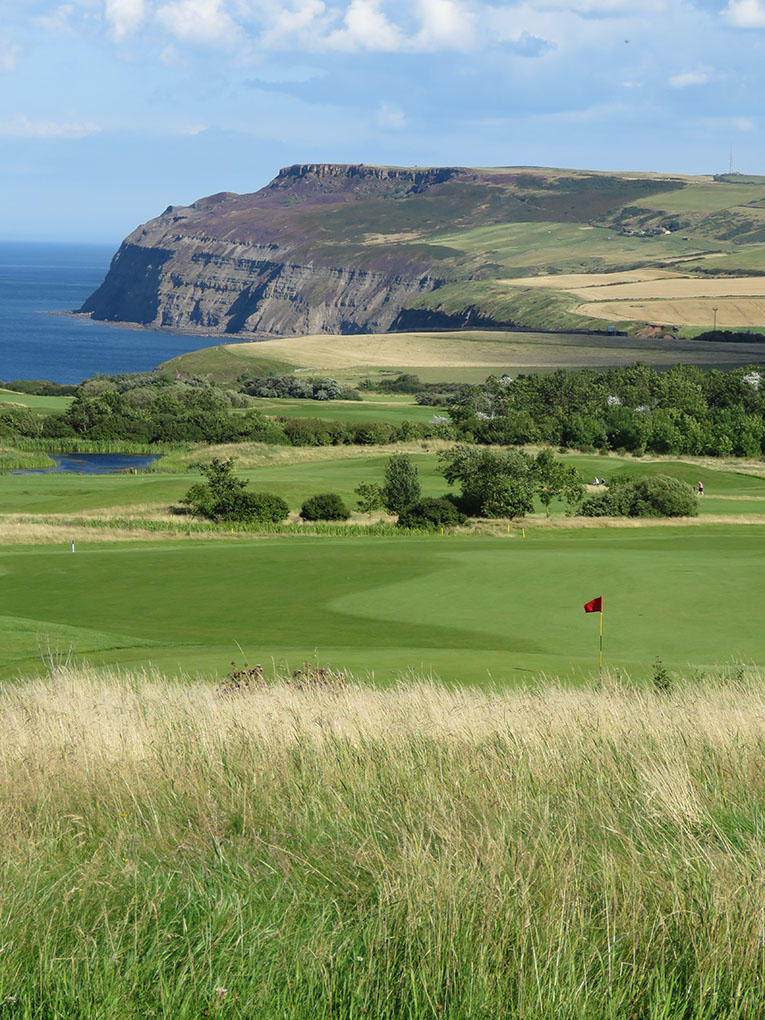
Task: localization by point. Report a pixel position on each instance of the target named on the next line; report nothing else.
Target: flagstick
(600, 664)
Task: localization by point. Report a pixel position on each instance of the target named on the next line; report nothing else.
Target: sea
(38, 282)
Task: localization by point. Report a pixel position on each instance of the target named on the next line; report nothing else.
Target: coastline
(218, 339)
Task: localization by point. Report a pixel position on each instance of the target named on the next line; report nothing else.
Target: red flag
(596, 606)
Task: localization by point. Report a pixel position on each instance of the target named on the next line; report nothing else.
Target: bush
(225, 497)
(265, 506)
(663, 496)
(431, 513)
(327, 506)
(656, 496)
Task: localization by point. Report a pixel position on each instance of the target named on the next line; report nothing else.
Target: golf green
(465, 607)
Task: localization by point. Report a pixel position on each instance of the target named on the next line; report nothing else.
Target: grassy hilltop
(328, 248)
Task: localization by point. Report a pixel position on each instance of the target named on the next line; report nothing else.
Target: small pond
(96, 463)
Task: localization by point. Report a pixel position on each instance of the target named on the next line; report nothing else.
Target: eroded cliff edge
(327, 248)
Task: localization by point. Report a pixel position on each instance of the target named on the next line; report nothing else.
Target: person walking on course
(701, 488)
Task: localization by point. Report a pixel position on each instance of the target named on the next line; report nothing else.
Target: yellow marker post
(523, 530)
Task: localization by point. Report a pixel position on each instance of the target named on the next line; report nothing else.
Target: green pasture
(34, 401)
(706, 197)
(750, 258)
(468, 608)
(569, 247)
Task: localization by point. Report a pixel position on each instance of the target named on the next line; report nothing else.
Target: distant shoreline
(138, 327)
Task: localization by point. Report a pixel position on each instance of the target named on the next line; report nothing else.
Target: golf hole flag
(596, 606)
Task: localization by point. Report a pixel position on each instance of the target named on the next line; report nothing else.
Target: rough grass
(13, 459)
(418, 852)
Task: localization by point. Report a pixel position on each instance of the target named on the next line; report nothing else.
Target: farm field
(570, 246)
(466, 356)
(660, 296)
(469, 608)
(725, 312)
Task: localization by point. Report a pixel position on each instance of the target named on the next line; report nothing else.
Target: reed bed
(346, 851)
(13, 459)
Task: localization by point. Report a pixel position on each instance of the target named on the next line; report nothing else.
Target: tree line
(634, 409)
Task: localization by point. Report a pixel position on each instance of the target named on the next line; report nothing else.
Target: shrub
(225, 497)
(402, 483)
(370, 497)
(265, 506)
(656, 496)
(431, 513)
(373, 433)
(327, 506)
(663, 496)
(661, 678)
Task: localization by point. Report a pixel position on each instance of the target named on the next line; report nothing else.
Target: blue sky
(110, 110)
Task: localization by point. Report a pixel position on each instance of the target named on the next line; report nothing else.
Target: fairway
(466, 607)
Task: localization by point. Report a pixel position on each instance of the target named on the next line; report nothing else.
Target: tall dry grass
(410, 852)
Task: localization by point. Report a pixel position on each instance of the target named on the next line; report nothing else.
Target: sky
(111, 110)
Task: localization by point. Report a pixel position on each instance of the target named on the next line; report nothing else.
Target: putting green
(466, 607)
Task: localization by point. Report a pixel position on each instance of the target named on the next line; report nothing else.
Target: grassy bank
(419, 852)
(13, 459)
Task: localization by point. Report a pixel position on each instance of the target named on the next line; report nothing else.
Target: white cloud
(124, 16)
(743, 123)
(745, 13)
(390, 116)
(688, 78)
(8, 55)
(445, 25)
(22, 127)
(288, 24)
(59, 21)
(366, 27)
(198, 21)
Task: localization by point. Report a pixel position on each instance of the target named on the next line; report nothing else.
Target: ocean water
(39, 279)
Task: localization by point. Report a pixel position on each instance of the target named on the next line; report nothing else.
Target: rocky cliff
(326, 248)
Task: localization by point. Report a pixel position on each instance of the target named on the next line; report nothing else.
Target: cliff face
(326, 248)
(222, 287)
(270, 263)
